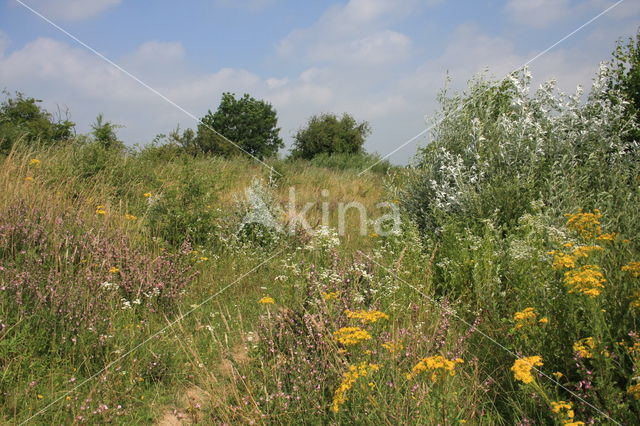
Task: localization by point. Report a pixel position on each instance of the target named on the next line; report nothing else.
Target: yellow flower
(28, 179)
(349, 336)
(366, 317)
(562, 260)
(584, 347)
(434, 364)
(522, 368)
(525, 317)
(101, 210)
(607, 237)
(584, 251)
(558, 375)
(204, 258)
(147, 194)
(633, 268)
(587, 279)
(565, 412)
(544, 320)
(330, 296)
(40, 396)
(634, 391)
(373, 235)
(635, 303)
(393, 346)
(349, 378)
(113, 270)
(267, 300)
(586, 224)
(130, 217)
(34, 162)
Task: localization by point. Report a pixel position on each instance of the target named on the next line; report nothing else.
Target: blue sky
(381, 60)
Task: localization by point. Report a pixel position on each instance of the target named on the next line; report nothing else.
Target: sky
(383, 61)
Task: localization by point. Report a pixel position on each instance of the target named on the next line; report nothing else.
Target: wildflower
(562, 260)
(40, 396)
(366, 317)
(584, 347)
(330, 296)
(267, 300)
(393, 346)
(634, 391)
(565, 411)
(147, 195)
(587, 280)
(28, 179)
(525, 317)
(113, 270)
(349, 378)
(349, 336)
(522, 368)
(34, 162)
(204, 258)
(635, 303)
(373, 235)
(433, 364)
(558, 375)
(100, 210)
(586, 224)
(584, 251)
(633, 268)
(543, 320)
(130, 217)
(607, 237)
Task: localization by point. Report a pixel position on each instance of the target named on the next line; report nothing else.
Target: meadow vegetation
(132, 290)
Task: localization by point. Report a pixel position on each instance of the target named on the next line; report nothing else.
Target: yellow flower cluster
(350, 336)
(528, 316)
(349, 378)
(562, 260)
(586, 224)
(607, 237)
(267, 300)
(522, 368)
(113, 270)
(633, 268)
(634, 391)
(587, 280)
(393, 346)
(366, 317)
(565, 411)
(434, 364)
(147, 194)
(130, 217)
(584, 347)
(101, 210)
(330, 296)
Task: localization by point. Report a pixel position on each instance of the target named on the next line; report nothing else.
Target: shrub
(328, 134)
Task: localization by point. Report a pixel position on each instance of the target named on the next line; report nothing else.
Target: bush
(21, 117)
(249, 123)
(328, 134)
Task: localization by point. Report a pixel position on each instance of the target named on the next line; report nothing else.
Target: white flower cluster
(323, 238)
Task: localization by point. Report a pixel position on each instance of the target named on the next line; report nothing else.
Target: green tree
(249, 123)
(624, 73)
(328, 134)
(104, 133)
(22, 117)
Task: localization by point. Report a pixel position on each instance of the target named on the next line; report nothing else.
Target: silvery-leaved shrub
(499, 146)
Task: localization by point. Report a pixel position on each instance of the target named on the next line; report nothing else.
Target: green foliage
(104, 133)
(249, 123)
(624, 83)
(328, 134)
(22, 117)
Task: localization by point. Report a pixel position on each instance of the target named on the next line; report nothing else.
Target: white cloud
(72, 10)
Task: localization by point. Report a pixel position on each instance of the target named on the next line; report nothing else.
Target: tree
(624, 73)
(328, 134)
(249, 123)
(104, 133)
(22, 117)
